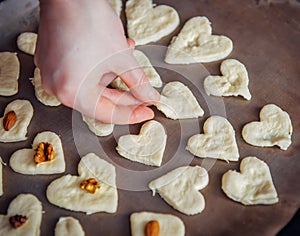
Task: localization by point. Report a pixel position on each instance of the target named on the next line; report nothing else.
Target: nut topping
(17, 220)
(44, 152)
(91, 185)
(152, 228)
(9, 120)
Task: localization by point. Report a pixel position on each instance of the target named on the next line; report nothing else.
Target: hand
(81, 48)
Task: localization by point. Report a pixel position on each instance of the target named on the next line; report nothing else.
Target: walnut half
(91, 185)
(44, 152)
(17, 220)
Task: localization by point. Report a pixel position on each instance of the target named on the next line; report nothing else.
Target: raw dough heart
(146, 23)
(22, 161)
(65, 191)
(97, 127)
(234, 81)
(24, 112)
(1, 184)
(196, 44)
(68, 226)
(218, 140)
(253, 185)
(169, 225)
(180, 188)
(178, 102)
(148, 147)
(275, 128)
(116, 5)
(26, 205)
(26, 42)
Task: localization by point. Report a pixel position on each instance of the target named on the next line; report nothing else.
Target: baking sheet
(266, 39)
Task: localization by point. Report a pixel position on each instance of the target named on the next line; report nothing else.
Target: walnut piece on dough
(9, 73)
(196, 44)
(148, 23)
(217, 141)
(97, 127)
(169, 224)
(68, 226)
(274, 128)
(253, 185)
(116, 5)
(26, 42)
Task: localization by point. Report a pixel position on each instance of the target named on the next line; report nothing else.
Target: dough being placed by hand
(22, 161)
(234, 81)
(26, 205)
(146, 23)
(66, 191)
(274, 128)
(97, 127)
(26, 42)
(148, 147)
(10, 72)
(253, 185)
(180, 188)
(116, 5)
(169, 225)
(217, 141)
(196, 44)
(68, 226)
(178, 102)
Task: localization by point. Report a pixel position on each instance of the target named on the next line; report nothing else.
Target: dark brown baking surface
(266, 39)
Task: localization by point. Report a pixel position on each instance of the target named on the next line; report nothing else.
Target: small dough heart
(22, 161)
(146, 23)
(274, 128)
(218, 140)
(178, 102)
(180, 188)
(68, 226)
(66, 191)
(253, 185)
(148, 147)
(1, 184)
(196, 44)
(234, 81)
(25, 205)
(26, 42)
(24, 112)
(97, 127)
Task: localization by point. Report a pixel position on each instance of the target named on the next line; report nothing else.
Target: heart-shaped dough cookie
(17, 130)
(26, 42)
(253, 185)
(97, 127)
(274, 128)
(178, 102)
(196, 44)
(146, 23)
(67, 192)
(180, 188)
(68, 226)
(148, 147)
(234, 81)
(26, 205)
(218, 140)
(22, 161)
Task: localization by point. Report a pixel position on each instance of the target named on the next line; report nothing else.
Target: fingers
(131, 43)
(120, 97)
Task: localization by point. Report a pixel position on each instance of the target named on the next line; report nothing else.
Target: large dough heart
(147, 147)
(22, 161)
(146, 23)
(218, 140)
(234, 81)
(180, 188)
(253, 185)
(274, 128)
(65, 191)
(196, 44)
(26, 205)
(178, 102)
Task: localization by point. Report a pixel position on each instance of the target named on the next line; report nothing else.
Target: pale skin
(81, 48)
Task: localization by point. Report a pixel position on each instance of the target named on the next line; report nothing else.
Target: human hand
(81, 48)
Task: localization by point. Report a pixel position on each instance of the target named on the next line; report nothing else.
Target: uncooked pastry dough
(68, 226)
(217, 141)
(116, 5)
(24, 113)
(253, 185)
(149, 71)
(148, 147)
(180, 188)
(169, 225)
(1, 181)
(27, 42)
(97, 127)
(26, 205)
(234, 81)
(146, 23)
(40, 93)
(65, 191)
(178, 102)
(22, 161)
(9, 73)
(196, 44)
(274, 128)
